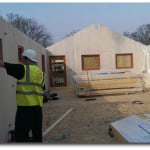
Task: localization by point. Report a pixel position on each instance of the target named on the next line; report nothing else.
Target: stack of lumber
(103, 83)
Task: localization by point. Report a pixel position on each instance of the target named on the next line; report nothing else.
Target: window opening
(90, 62)
(20, 51)
(124, 61)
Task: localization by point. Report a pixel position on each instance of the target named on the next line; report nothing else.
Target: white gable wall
(98, 40)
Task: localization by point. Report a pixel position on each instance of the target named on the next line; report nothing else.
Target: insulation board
(132, 129)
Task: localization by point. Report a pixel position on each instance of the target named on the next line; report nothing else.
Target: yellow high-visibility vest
(29, 90)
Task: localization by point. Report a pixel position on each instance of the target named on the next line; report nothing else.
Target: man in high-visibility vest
(29, 96)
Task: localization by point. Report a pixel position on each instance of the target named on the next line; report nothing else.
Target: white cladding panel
(11, 39)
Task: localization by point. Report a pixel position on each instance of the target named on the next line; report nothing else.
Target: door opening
(57, 71)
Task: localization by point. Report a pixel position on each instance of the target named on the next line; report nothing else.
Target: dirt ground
(89, 121)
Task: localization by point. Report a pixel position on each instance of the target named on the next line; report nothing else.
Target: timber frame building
(95, 48)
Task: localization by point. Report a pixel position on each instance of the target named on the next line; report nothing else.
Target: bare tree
(142, 34)
(31, 28)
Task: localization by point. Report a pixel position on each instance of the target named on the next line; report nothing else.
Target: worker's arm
(15, 70)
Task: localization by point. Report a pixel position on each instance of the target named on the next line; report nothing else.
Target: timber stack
(107, 82)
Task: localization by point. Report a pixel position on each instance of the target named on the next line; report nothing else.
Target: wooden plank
(121, 76)
(108, 81)
(132, 130)
(104, 77)
(107, 92)
(58, 121)
(110, 84)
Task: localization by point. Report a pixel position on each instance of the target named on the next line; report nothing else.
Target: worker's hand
(1, 63)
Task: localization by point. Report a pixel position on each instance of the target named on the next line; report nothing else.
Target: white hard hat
(30, 54)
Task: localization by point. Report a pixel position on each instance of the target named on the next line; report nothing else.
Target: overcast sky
(62, 18)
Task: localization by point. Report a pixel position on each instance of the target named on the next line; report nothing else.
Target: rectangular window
(124, 61)
(1, 50)
(43, 62)
(90, 62)
(20, 51)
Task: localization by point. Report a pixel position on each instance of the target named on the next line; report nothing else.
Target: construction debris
(47, 96)
(90, 99)
(62, 136)
(137, 102)
(109, 82)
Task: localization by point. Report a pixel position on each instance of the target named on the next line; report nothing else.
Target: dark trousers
(28, 118)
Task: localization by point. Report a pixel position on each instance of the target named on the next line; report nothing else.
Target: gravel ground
(89, 121)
